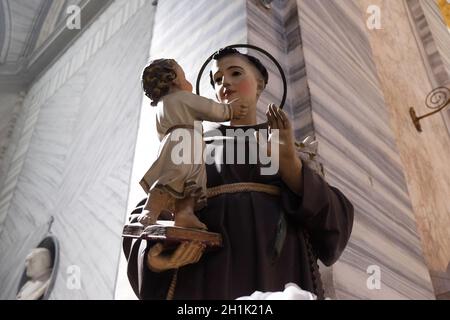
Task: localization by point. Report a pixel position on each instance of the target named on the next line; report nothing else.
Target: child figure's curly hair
(157, 78)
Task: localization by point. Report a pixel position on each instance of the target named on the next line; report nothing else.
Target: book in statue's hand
(166, 232)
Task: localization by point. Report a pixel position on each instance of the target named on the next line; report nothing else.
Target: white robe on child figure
(183, 108)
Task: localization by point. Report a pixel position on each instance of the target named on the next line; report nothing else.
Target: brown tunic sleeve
(138, 273)
(325, 213)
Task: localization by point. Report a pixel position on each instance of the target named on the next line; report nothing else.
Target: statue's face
(234, 77)
(36, 264)
(31, 265)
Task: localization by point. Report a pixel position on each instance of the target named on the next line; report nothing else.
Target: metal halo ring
(283, 76)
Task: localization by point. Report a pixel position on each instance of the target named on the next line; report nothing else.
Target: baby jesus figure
(178, 187)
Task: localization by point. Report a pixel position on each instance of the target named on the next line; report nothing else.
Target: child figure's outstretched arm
(209, 110)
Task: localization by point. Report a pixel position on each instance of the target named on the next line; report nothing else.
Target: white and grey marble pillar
(360, 155)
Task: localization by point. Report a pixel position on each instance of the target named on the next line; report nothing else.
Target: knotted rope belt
(243, 187)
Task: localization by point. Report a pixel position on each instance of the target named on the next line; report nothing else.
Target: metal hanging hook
(437, 99)
(50, 223)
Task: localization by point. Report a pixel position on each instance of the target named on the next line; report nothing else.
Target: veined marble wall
(425, 156)
(74, 157)
(360, 154)
(277, 30)
(10, 109)
(439, 29)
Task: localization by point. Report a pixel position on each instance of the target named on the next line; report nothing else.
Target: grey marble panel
(439, 29)
(74, 156)
(10, 106)
(24, 15)
(277, 31)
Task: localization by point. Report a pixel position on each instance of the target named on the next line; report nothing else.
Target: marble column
(360, 155)
(409, 66)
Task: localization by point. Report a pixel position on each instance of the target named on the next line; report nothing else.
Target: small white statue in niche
(38, 265)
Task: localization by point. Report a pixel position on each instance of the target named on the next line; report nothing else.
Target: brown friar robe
(317, 225)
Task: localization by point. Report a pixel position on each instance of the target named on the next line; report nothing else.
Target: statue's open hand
(160, 259)
(284, 137)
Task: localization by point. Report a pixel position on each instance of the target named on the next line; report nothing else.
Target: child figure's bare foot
(184, 215)
(189, 220)
(156, 202)
(146, 218)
